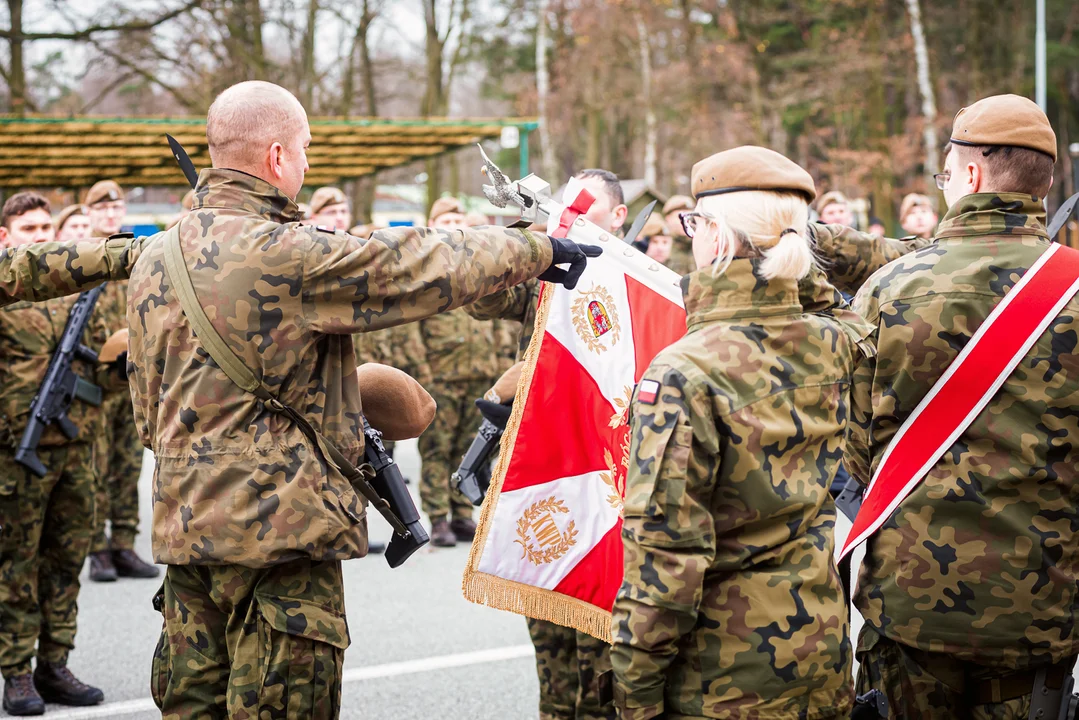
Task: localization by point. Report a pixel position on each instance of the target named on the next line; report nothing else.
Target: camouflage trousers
(47, 526)
(929, 686)
(120, 455)
(571, 666)
(444, 444)
(243, 642)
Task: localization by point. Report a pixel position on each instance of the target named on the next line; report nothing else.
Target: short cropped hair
(610, 182)
(20, 204)
(1009, 168)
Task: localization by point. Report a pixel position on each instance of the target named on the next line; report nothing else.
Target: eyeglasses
(942, 179)
(692, 220)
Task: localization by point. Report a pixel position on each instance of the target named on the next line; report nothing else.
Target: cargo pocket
(10, 513)
(657, 516)
(159, 667)
(301, 652)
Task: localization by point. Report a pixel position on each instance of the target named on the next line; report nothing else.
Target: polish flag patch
(648, 392)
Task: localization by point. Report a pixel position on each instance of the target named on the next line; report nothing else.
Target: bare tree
(650, 131)
(925, 87)
(543, 87)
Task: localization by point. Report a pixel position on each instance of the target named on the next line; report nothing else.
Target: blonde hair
(773, 223)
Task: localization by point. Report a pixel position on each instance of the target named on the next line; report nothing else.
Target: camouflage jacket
(731, 605)
(400, 346)
(981, 560)
(681, 259)
(236, 483)
(29, 335)
(41, 271)
(518, 303)
(460, 347)
(850, 256)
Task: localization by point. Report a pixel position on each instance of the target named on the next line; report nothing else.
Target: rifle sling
(233, 366)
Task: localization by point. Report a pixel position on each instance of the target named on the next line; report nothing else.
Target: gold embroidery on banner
(538, 533)
(615, 475)
(595, 316)
(621, 409)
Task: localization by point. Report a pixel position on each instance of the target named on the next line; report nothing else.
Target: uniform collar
(816, 294)
(739, 292)
(983, 214)
(236, 190)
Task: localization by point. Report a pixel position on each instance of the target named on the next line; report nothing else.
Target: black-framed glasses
(692, 220)
(942, 179)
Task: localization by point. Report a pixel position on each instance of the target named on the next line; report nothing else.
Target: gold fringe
(500, 593)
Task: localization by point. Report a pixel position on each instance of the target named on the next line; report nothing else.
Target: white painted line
(372, 672)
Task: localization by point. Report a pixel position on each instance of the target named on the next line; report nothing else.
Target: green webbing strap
(230, 363)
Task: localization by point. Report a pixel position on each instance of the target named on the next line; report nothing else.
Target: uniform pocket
(656, 496)
(159, 667)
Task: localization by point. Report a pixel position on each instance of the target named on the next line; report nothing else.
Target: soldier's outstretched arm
(508, 304)
(669, 537)
(406, 274)
(47, 270)
(849, 256)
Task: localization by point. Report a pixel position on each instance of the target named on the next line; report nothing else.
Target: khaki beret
(912, 201)
(678, 202)
(113, 347)
(103, 191)
(505, 388)
(474, 218)
(66, 214)
(1005, 120)
(830, 198)
(189, 200)
(444, 205)
(324, 197)
(364, 231)
(394, 403)
(750, 168)
(654, 226)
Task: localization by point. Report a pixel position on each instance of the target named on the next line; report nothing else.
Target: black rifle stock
(61, 385)
(389, 484)
(473, 477)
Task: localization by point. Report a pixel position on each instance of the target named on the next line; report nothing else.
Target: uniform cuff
(542, 252)
(641, 704)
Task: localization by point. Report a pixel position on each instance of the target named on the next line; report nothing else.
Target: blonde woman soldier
(731, 605)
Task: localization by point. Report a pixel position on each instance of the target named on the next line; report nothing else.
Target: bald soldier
(119, 450)
(249, 517)
(968, 589)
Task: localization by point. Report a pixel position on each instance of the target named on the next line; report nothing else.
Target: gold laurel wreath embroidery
(615, 480)
(568, 539)
(621, 408)
(580, 317)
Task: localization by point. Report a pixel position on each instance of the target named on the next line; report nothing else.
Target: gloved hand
(567, 251)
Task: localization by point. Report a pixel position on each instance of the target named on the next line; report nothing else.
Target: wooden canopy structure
(39, 152)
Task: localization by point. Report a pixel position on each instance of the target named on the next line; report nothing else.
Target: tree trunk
(365, 62)
(432, 98)
(650, 131)
(17, 81)
(258, 55)
(543, 86)
(925, 87)
(307, 59)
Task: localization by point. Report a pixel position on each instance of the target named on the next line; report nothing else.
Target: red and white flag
(549, 542)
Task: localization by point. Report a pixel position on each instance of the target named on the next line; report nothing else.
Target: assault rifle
(61, 385)
(473, 477)
(389, 484)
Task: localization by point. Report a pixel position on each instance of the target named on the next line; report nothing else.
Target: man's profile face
(659, 248)
(836, 213)
(336, 216)
(960, 182)
(77, 227)
(920, 221)
(107, 217)
(294, 162)
(450, 221)
(34, 226)
(603, 213)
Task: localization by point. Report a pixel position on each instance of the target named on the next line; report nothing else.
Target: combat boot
(464, 529)
(57, 685)
(442, 534)
(101, 567)
(20, 697)
(129, 564)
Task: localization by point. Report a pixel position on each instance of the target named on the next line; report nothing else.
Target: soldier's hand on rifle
(571, 253)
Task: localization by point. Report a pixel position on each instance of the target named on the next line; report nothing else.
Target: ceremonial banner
(549, 542)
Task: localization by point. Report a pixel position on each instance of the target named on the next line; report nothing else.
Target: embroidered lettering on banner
(541, 534)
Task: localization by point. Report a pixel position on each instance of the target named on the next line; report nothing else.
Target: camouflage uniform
(681, 259)
(47, 270)
(244, 512)
(849, 257)
(731, 606)
(400, 347)
(119, 448)
(979, 564)
(47, 521)
(463, 358)
(570, 665)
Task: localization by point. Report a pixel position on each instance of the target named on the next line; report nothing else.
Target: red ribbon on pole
(574, 210)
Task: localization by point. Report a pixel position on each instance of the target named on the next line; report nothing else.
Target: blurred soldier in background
(72, 223)
(917, 216)
(329, 208)
(834, 209)
(681, 259)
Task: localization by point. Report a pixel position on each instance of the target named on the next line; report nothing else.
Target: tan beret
(912, 201)
(1005, 120)
(475, 218)
(364, 231)
(678, 202)
(654, 226)
(66, 214)
(113, 347)
(505, 388)
(394, 403)
(103, 191)
(189, 200)
(444, 205)
(830, 198)
(324, 197)
(750, 168)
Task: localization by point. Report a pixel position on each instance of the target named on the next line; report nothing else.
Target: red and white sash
(968, 384)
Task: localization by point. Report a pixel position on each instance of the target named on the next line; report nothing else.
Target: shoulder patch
(648, 392)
